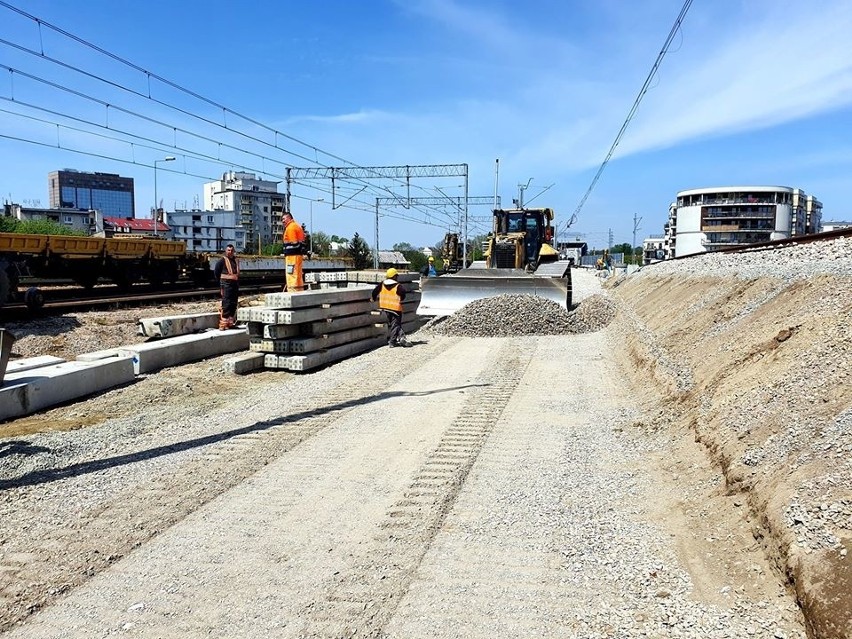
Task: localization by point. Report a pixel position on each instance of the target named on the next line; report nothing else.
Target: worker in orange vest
(294, 250)
(390, 294)
(227, 271)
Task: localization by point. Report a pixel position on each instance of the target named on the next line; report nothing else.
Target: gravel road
(466, 487)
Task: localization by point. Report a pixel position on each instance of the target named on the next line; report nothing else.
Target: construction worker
(429, 269)
(390, 294)
(227, 271)
(294, 250)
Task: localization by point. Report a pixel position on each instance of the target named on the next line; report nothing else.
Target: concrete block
(29, 363)
(280, 331)
(260, 345)
(259, 314)
(177, 324)
(244, 363)
(336, 324)
(26, 392)
(171, 351)
(268, 316)
(272, 361)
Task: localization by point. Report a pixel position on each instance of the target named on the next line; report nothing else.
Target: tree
(404, 247)
(359, 252)
(8, 224)
(276, 248)
(475, 250)
(622, 248)
(322, 244)
(416, 258)
(45, 227)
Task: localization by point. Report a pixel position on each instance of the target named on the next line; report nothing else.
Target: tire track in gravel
(35, 571)
(359, 601)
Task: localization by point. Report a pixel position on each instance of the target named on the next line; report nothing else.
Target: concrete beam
(307, 299)
(244, 363)
(269, 315)
(310, 344)
(29, 363)
(321, 358)
(26, 392)
(171, 351)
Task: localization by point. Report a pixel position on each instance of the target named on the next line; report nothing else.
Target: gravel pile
(513, 315)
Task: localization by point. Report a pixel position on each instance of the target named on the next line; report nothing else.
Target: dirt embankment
(760, 372)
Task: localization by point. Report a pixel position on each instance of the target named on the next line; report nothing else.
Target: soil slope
(759, 371)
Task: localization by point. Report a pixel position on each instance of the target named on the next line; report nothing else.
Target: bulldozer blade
(441, 296)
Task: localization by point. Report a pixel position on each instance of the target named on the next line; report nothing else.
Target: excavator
(519, 259)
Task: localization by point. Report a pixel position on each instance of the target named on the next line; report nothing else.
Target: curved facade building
(703, 220)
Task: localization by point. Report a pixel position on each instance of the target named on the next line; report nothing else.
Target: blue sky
(750, 92)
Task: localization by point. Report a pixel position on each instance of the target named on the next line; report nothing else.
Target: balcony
(744, 240)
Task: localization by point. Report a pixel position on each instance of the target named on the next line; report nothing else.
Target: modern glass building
(108, 193)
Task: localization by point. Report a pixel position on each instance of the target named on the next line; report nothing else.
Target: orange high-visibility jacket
(389, 299)
(294, 238)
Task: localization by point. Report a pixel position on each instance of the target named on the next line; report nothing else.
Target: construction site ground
(683, 472)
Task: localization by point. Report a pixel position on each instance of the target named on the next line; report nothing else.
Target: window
(210, 219)
(67, 219)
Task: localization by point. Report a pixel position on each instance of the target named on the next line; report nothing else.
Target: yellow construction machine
(519, 259)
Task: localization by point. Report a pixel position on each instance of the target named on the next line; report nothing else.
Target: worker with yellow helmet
(390, 294)
(429, 269)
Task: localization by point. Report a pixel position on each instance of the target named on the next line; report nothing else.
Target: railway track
(72, 299)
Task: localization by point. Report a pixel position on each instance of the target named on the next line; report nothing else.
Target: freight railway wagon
(85, 260)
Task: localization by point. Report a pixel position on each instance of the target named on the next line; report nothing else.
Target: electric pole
(636, 221)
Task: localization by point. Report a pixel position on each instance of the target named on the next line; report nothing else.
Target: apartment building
(704, 220)
(257, 205)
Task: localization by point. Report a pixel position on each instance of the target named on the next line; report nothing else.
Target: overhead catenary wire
(150, 75)
(674, 30)
(427, 212)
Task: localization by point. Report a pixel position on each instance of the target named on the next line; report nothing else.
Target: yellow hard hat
(431, 259)
(392, 272)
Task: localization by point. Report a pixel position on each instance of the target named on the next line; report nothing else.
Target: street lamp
(311, 247)
(168, 158)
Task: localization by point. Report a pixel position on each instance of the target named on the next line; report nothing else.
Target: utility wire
(675, 29)
(149, 75)
(225, 111)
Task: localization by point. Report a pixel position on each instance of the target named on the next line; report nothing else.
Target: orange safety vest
(293, 232)
(233, 273)
(389, 300)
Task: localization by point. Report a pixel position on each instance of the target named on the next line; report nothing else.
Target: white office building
(208, 231)
(255, 206)
(704, 220)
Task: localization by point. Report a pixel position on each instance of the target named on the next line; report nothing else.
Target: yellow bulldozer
(519, 259)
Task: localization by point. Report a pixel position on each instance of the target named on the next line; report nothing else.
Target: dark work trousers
(230, 292)
(394, 326)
